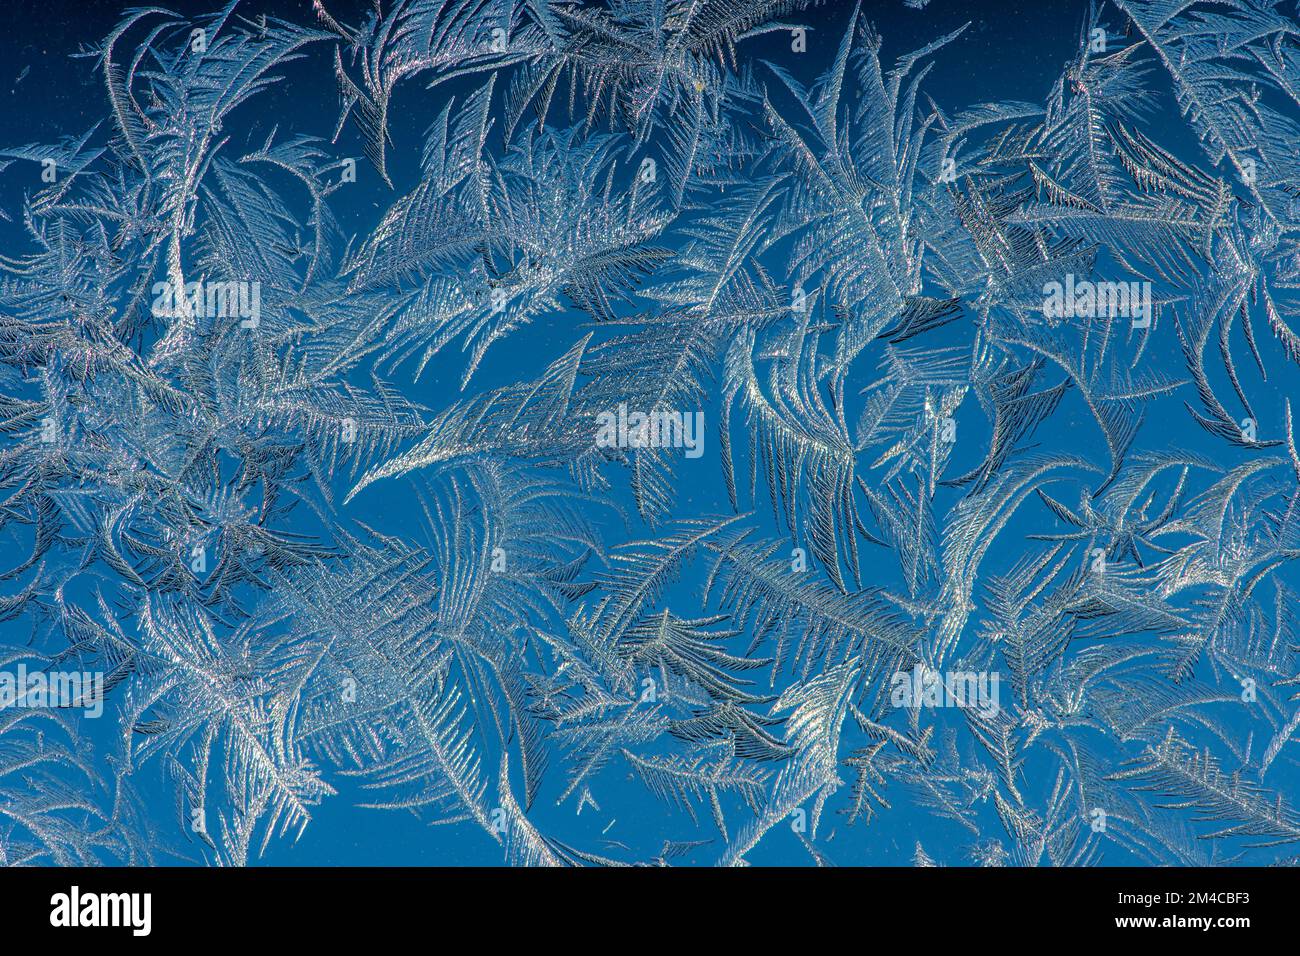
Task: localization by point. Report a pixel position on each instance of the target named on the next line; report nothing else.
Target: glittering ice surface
(651, 431)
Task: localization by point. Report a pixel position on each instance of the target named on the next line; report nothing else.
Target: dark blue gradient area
(521, 432)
